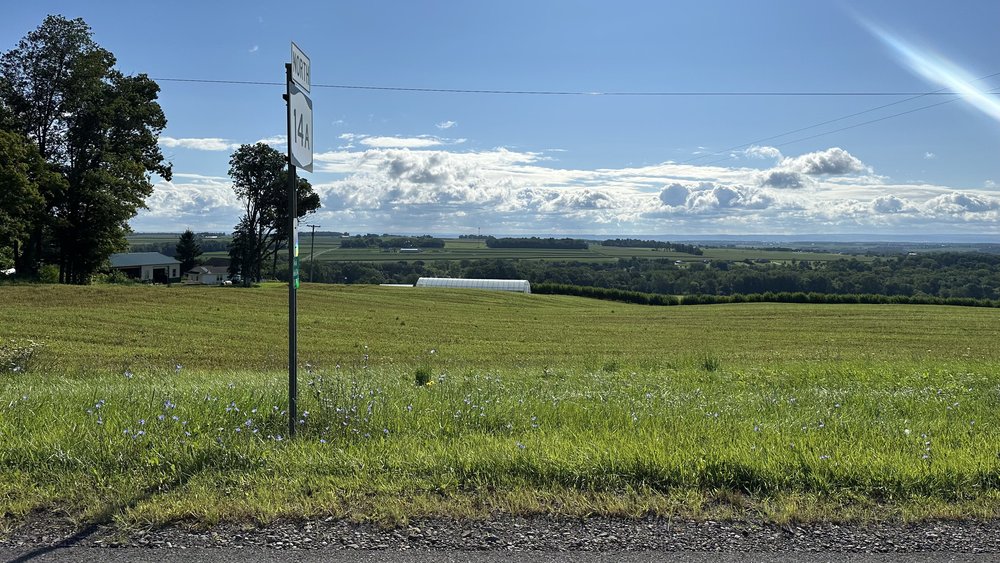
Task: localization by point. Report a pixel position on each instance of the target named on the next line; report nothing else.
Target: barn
(147, 266)
(521, 286)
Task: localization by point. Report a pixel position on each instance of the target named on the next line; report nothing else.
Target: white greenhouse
(521, 286)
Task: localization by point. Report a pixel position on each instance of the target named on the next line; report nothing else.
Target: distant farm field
(326, 248)
(157, 404)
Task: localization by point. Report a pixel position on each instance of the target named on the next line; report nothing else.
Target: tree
(187, 251)
(260, 180)
(24, 178)
(94, 126)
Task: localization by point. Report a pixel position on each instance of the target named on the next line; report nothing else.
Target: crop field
(150, 405)
(327, 249)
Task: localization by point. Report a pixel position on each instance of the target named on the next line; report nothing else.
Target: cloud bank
(425, 184)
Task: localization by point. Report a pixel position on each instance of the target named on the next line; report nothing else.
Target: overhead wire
(696, 93)
(943, 91)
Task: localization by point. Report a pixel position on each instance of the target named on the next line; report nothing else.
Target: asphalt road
(265, 555)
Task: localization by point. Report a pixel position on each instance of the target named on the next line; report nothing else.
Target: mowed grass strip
(100, 328)
(533, 404)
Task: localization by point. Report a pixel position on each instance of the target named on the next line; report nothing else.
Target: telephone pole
(312, 249)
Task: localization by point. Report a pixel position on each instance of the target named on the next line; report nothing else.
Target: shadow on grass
(104, 518)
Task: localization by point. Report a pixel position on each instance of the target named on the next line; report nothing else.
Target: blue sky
(449, 163)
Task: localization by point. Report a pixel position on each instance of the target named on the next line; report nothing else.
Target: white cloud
(989, 184)
(446, 124)
(833, 162)
(400, 142)
(214, 143)
(254, 49)
(674, 195)
(782, 179)
(762, 152)
(960, 202)
(929, 156)
(889, 204)
(441, 189)
(199, 144)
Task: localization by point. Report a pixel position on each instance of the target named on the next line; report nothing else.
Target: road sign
(301, 72)
(300, 119)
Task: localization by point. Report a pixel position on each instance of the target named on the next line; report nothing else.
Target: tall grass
(126, 411)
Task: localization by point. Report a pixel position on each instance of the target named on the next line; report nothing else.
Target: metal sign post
(300, 154)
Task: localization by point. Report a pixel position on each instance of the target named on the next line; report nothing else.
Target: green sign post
(298, 82)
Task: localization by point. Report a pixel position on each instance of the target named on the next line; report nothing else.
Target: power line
(856, 125)
(570, 92)
(829, 121)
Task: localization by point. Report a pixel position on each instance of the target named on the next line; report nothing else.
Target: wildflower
(177, 368)
(100, 420)
(409, 408)
(520, 446)
(175, 418)
(430, 383)
(161, 417)
(322, 441)
(824, 457)
(128, 374)
(385, 431)
(305, 413)
(906, 431)
(142, 421)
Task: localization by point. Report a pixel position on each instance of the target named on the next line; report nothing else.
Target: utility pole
(312, 250)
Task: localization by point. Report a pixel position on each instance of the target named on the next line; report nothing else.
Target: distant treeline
(637, 243)
(389, 241)
(767, 297)
(943, 275)
(536, 242)
(170, 248)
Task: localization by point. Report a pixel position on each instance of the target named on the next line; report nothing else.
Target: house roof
(134, 259)
(208, 270)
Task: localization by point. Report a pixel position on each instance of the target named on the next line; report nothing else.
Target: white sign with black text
(300, 115)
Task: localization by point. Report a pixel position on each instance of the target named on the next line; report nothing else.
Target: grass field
(155, 404)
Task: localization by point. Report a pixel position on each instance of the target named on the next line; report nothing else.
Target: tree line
(944, 275)
(536, 242)
(661, 245)
(391, 241)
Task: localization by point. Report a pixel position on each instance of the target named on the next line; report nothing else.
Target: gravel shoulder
(538, 534)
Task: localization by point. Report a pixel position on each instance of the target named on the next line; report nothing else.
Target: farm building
(147, 266)
(496, 285)
(207, 275)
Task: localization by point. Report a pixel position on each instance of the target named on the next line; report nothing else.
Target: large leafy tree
(24, 178)
(260, 180)
(93, 125)
(187, 251)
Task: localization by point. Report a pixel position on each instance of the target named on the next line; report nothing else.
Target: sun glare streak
(938, 70)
